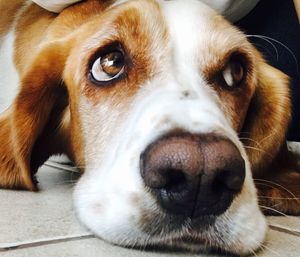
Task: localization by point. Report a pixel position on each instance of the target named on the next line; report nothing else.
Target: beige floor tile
(280, 244)
(29, 216)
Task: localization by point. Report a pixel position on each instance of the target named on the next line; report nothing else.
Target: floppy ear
(33, 121)
(273, 166)
(268, 117)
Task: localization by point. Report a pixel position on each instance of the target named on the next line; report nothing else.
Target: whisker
(268, 39)
(287, 48)
(254, 253)
(279, 198)
(272, 209)
(265, 138)
(276, 184)
(257, 149)
(270, 250)
(250, 139)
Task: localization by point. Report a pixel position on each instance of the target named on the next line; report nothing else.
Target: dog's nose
(193, 175)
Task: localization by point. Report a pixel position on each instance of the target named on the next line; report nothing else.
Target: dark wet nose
(193, 175)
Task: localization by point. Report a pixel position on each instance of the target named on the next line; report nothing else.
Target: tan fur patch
(7, 17)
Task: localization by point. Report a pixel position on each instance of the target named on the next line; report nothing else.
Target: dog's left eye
(108, 67)
(233, 73)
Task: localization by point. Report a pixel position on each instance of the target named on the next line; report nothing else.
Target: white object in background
(55, 5)
(232, 9)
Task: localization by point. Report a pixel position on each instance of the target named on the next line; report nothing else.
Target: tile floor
(44, 224)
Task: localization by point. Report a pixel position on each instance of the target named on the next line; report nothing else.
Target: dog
(168, 111)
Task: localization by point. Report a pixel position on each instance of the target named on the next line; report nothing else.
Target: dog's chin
(192, 244)
(187, 241)
(171, 233)
(201, 236)
(176, 242)
(184, 235)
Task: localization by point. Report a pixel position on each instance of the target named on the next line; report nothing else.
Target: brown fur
(7, 16)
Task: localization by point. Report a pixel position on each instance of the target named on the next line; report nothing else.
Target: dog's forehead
(196, 29)
(186, 27)
(183, 17)
(193, 28)
(185, 20)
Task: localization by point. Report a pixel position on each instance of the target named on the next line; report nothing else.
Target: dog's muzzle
(193, 175)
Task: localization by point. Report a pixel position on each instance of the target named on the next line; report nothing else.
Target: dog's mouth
(184, 244)
(176, 234)
(179, 243)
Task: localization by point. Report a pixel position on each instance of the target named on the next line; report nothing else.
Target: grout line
(285, 230)
(41, 242)
(62, 239)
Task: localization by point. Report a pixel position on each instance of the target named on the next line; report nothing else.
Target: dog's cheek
(109, 186)
(245, 221)
(110, 205)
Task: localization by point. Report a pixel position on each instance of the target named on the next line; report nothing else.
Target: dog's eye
(108, 67)
(233, 73)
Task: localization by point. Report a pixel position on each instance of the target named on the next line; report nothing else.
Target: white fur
(160, 106)
(9, 78)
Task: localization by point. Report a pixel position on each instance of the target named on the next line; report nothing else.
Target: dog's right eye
(108, 67)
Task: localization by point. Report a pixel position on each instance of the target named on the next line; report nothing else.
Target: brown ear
(268, 117)
(33, 120)
(273, 166)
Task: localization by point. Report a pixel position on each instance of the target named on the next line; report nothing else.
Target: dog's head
(159, 103)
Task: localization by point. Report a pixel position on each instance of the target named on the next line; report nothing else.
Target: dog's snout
(193, 175)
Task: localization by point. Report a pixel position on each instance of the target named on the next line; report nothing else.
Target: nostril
(234, 182)
(230, 179)
(175, 180)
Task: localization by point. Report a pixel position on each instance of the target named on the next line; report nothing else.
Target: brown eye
(108, 67)
(233, 73)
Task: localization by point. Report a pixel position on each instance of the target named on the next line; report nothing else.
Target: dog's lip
(189, 242)
(189, 231)
(186, 237)
(174, 242)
